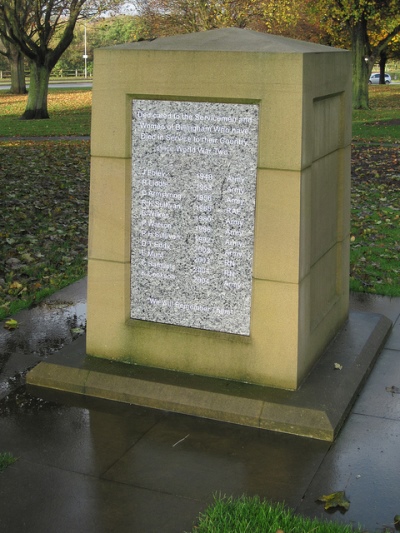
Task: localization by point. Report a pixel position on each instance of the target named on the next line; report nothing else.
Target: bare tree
(17, 66)
(370, 26)
(42, 30)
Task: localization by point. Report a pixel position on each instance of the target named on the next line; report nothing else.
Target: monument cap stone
(229, 40)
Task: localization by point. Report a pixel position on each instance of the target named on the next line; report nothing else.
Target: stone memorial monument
(219, 229)
(219, 222)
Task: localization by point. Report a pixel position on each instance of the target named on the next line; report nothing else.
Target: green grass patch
(6, 459)
(375, 191)
(245, 514)
(381, 123)
(69, 110)
(375, 220)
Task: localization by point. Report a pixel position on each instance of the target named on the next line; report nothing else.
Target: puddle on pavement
(20, 401)
(42, 331)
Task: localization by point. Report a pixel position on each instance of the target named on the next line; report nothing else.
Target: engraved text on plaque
(193, 199)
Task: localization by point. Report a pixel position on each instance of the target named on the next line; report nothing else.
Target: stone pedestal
(167, 286)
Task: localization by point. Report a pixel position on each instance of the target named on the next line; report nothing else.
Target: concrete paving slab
(381, 395)
(42, 499)
(363, 463)
(389, 307)
(393, 342)
(195, 457)
(72, 438)
(12, 368)
(93, 446)
(373, 303)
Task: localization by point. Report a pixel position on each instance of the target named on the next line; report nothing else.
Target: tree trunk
(36, 106)
(360, 49)
(18, 85)
(382, 67)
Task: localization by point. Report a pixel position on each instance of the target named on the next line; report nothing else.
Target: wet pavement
(87, 465)
(41, 331)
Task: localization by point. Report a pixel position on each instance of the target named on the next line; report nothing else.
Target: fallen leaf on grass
(15, 285)
(336, 499)
(375, 189)
(27, 257)
(11, 324)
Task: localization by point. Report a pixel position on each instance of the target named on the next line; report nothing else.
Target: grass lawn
(45, 186)
(245, 515)
(375, 205)
(375, 221)
(382, 122)
(69, 111)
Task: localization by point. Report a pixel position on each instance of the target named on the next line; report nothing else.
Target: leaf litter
(44, 222)
(375, 228)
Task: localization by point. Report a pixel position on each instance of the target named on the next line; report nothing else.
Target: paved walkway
(92, 466)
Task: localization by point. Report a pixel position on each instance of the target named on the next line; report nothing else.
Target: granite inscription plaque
(193, 200)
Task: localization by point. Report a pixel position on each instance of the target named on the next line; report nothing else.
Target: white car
(374, 78)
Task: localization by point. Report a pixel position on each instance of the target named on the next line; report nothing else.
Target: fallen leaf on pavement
(336, 499)
(393, 389)
(77, 331)
(11, 324)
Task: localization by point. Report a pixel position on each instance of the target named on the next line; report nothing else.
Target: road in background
(57, 85)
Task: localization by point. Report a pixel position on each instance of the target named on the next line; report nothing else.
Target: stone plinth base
(317, 409)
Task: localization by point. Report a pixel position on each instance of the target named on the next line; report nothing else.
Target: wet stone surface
(20, 401)
(41, 331)
(105, 466)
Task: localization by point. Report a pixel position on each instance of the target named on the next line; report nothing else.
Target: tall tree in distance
(283, 17)
(289, 18)
(30, 26)
(15, 58)
(17, 67)
(42, 30)
(370, 26)
(168, 17)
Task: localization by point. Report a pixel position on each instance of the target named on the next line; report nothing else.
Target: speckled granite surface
(193, 197)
